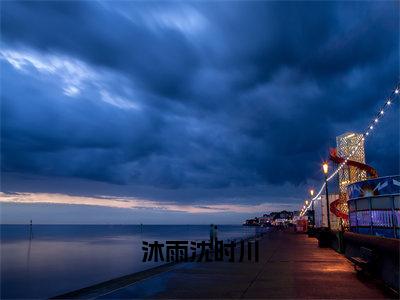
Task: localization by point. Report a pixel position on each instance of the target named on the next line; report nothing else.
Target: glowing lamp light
(371, 127)
(376, 120)
(396, 91)
(367, 133)
(388, 102)
(306, 202)
(381, 112)
(325, 167)
(312, 192)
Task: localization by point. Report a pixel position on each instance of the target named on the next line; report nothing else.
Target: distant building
(265, 220)
(252, 222)
(288, 215)
(271, 218)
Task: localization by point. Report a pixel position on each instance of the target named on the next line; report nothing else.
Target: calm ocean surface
(61, 258)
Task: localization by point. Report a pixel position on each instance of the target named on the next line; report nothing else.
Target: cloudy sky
(186, 112)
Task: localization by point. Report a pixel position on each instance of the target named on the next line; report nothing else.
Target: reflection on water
(46, 260)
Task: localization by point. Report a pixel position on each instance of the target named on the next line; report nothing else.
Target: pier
(291, 266)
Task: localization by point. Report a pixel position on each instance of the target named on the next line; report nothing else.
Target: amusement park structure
(355, 169)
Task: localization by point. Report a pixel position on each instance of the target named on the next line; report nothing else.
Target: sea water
(47, 260)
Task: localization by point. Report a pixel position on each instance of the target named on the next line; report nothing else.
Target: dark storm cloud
(229, 94)
(103, 36)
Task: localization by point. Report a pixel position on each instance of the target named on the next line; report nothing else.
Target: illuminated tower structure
(354, 169)
(346, 143)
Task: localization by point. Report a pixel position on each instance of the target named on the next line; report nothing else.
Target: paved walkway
(291, 266)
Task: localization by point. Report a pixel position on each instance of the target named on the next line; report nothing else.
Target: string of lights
(367, 132)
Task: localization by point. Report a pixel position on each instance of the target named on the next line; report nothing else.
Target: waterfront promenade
(291, 266)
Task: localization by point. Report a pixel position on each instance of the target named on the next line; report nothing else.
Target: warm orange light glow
(306, 202)
(325, 167)
(312, 192)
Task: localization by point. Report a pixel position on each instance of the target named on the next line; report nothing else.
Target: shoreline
(112, 285)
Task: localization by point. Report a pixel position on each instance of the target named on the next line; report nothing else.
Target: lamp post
(306, 205)
(325, 169)
(312, 206)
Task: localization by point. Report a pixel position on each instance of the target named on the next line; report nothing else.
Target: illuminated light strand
(366, 133)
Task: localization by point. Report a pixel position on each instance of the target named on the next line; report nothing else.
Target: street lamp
(306, 202)
(312, 205)
(325, 169)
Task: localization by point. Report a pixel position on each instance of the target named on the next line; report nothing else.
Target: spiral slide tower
(355, 170)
